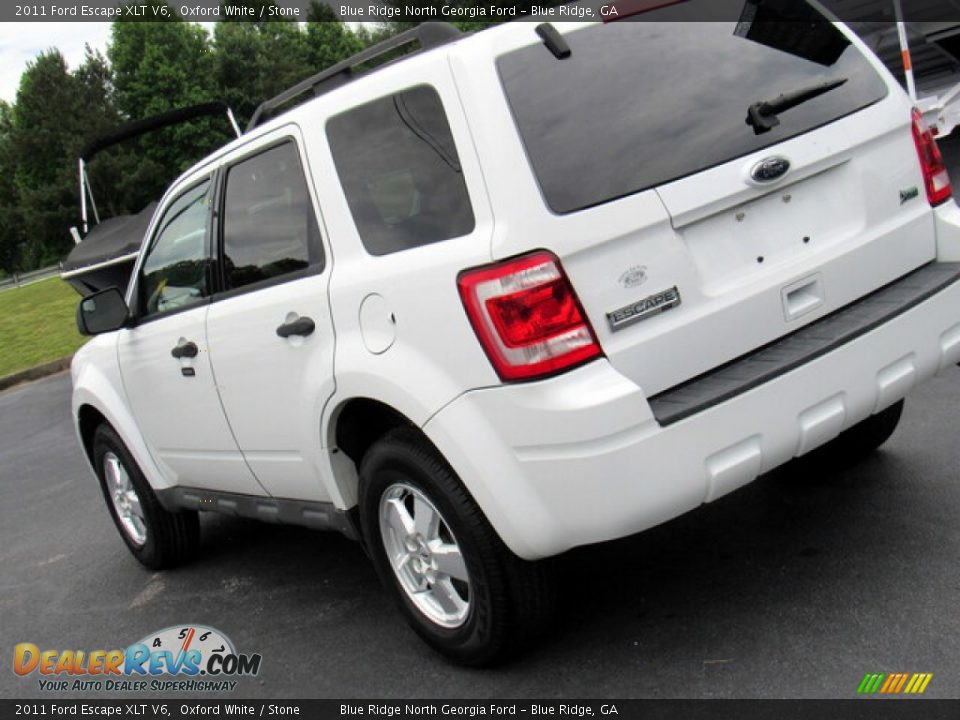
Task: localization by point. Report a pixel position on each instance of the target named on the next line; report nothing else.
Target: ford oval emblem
(770, 169)
(634, 277)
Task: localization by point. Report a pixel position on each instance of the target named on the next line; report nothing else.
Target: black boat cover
(111, 239)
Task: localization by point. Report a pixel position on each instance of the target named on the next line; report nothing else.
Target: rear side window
(400, 172)
(638, 104)
(269, 226)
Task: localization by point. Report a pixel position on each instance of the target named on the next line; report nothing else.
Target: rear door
(270, 331)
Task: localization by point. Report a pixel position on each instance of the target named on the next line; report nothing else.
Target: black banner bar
(451, 10)
(151, 709)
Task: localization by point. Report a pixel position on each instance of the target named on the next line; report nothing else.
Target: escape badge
(643, 309)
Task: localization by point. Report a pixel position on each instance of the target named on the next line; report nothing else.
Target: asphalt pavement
(794, 586)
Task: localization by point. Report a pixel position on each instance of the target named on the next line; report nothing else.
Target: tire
(863, 438)
(157, 538)
(478, 609)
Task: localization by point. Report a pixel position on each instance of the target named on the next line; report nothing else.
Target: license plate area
(731, 248)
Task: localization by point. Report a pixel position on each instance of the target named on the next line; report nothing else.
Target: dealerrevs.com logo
(184, 658)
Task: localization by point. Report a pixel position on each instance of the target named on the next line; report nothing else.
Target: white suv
(521, 291)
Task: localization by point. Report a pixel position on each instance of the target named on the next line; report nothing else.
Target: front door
(164, 358)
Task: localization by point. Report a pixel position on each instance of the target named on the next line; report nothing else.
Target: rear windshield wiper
(763, 115)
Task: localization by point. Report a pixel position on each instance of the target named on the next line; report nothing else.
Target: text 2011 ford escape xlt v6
(521, 291)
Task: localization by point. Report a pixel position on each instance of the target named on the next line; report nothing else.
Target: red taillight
(527, 317)
(935, 175)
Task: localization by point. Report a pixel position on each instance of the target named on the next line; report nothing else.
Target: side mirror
(102, 312)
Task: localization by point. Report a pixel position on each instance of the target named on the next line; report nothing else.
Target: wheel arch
(355, 424)
(96, 401)
(89, 418)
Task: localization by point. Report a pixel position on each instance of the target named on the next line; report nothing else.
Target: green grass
(37, 324)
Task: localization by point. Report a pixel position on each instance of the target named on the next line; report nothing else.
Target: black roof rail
(428, 34)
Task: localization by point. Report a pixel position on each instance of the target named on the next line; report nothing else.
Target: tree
(11, 235)
(160, 66)
(49, 121)
(328, 40)
(255, 61)
(40, 139)
(149, 68)
(111, 173)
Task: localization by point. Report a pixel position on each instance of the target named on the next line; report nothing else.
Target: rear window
(269, 226)
(638, 104)
(400, 171)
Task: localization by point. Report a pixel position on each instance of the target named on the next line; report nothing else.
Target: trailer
(105, 249)
(919, 41)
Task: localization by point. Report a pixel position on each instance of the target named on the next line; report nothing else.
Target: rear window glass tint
(638, 104)
(400, 172)
(269, 226)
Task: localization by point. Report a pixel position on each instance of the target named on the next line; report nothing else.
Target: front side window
(400, 171)
(174, 271)
(269, 226)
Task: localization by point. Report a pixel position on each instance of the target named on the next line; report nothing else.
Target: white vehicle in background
(521, 291)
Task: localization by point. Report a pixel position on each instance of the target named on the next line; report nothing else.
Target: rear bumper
(801, 347)
(582, 458)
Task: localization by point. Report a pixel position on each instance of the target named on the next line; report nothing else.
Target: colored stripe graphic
(894, 683)
(918, 683)
(913, 683)
(870, 683)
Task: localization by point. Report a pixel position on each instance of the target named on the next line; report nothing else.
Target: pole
(83, 197)
(905, 51)
(233, 122)
(93, 202)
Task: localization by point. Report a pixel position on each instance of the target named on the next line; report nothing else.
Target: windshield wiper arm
(763, 115)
